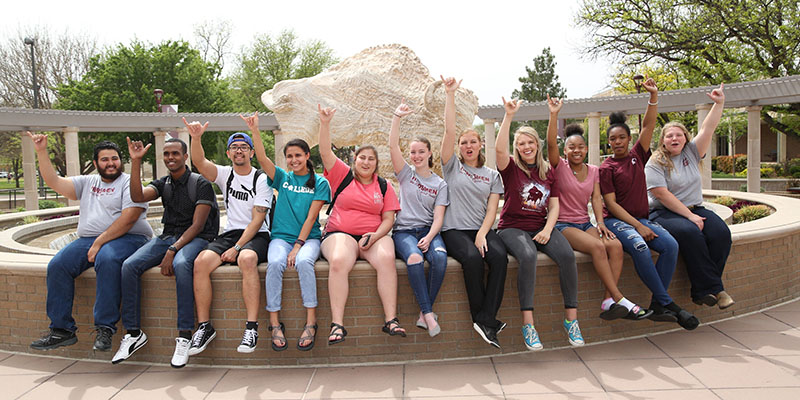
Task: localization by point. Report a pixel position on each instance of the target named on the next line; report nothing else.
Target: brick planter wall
(759, 274)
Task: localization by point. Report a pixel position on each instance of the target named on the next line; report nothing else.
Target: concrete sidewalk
(755, 356)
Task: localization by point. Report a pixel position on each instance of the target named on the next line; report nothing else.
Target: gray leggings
(520, 244)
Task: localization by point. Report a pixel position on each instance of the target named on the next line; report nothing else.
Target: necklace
(576, 172)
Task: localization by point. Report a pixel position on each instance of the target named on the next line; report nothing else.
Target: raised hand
(251, 121)
(39, 141)
(136, 149)
(403, 109)
(650, 85)
(325, 114)
(717, 95)
(450, 84)
(195, 129)
(554, 104)
(512, 106)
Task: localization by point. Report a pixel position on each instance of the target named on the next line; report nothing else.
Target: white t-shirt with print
(241, 199)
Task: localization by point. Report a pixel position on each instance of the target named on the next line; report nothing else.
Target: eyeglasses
(239, 148)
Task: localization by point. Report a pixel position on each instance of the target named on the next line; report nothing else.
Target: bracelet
(652, 104)
(301, 242)
(396, 115)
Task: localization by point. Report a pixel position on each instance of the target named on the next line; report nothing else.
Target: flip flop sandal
(305, 337)
(615, 312)
(395, 330)
(687, 321)
(338, 331)
(278, 333)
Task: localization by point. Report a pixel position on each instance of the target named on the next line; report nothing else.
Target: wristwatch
(173, 248)
(237, 247)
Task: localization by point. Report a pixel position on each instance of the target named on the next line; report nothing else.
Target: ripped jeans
(655, 276)
(405, 244)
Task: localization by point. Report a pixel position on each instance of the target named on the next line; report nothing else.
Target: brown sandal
(305, 337)
(278, 332)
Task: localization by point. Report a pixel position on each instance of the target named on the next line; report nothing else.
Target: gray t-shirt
(469, 189)
(102, 203)
(418, 198)
(683, 181)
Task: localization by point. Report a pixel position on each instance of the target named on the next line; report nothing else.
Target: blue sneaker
(531, 338)
(574, 333)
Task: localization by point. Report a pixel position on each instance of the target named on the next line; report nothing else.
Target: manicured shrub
(750, 213)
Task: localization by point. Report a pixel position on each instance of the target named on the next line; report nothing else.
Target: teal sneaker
(532, 341)
(574, 333)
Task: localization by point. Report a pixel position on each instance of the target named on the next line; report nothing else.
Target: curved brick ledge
(762, 271)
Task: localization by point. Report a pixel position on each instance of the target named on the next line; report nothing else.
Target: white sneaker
(249, 341)
(181, 355)
(128, 346)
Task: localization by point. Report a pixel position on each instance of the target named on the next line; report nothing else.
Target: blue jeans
(583, 227)
(149, 256)
(655, 276)
(426, 290)
(304, 263)
(70, 262)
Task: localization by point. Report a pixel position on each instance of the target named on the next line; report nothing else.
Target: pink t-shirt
(359, 207)
(574, 195)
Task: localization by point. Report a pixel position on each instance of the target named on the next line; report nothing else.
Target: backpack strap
(228, 188)
(349, 178)
(166, 195)
(346, 181)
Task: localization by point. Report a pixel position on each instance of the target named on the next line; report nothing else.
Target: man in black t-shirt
(191, 220)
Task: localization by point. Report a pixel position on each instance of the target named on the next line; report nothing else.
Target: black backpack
(349, 178)
(258, 173)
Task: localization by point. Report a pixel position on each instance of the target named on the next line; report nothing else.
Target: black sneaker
(501, 326)
(55, 338)
(204, 334)
(102, 340)
(489, 335)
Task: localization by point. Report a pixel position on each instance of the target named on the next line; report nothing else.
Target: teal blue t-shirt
(294, 200)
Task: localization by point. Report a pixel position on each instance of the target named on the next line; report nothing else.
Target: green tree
(540, 81)
(705, 41)
(11, 153)
(271, 60)
(123, 79)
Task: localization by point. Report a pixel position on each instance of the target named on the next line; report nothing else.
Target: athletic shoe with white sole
(249, 340)
(181, 355)
(128, 346)
(204, 334)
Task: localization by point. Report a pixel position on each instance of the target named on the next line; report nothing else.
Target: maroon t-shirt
(526, 199)
(625, 177)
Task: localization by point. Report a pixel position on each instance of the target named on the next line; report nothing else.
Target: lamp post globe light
(637, 80)
(158, 94)
(32, 42)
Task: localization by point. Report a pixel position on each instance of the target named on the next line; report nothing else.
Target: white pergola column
(753, 149)
(781, 140)
(594, 138)
(489, 138)
(72, 155)
(183, 134)
(161, 169)
(705, 165)
(280, 141)
(29, 172)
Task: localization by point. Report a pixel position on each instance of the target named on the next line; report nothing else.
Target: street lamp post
(637, 80)
(158, 94)
(32, 43)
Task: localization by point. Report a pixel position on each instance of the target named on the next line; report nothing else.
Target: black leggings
(484, 300)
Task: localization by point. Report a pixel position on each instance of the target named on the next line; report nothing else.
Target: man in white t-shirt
(245, 239)
(110, 228)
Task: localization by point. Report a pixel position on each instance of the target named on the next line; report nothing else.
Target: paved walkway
(752, 357)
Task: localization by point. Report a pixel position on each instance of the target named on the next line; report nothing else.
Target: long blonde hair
(481, 156)
(661, 155)
(541, 165)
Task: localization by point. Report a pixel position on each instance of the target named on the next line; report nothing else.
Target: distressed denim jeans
(656, 276)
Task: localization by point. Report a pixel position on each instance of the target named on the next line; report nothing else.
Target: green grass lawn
(12, 184)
